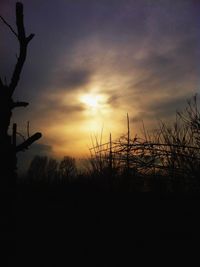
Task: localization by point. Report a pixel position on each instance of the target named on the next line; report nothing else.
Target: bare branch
(29, 38)
(19, 104)
(28, 142)
(20, 21)
(9, 26)
(23, 41)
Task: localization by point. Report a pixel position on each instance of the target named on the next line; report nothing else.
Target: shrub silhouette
(38, 168)
(67, 168)
(52, 170)
(49, 170)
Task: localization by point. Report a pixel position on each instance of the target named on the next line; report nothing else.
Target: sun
(94, 102)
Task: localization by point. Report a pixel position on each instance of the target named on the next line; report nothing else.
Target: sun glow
(91, 101)
(95, 113)
(94, 101)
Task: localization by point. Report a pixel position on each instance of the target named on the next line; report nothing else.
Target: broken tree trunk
(8, 148)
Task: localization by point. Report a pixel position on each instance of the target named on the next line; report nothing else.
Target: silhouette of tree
(8, 143)
(52, 170)
(38, 168)
(67, 168)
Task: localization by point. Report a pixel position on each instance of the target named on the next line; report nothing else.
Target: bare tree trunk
(8, 150)
(8, 156)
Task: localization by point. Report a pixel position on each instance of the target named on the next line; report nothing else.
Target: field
(56, 227)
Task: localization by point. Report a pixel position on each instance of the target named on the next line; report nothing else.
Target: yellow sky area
(68, 116)
(89, 108)
(77, 143)
(72, 134)
(75, 139)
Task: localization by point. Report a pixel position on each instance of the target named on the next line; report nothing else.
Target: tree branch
(20, 21)
(28, 142)
(23, 41)
(19, 104)
(9, 26)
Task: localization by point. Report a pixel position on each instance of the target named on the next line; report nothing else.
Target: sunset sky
(92, 61)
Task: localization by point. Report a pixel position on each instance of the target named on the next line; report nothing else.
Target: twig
(9, 26)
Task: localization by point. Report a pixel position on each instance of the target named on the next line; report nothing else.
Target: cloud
(113, 99)
(166, 107)
(71, 79)
(59, 108)
(162, 109)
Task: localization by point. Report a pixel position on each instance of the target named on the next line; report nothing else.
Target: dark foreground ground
(80, 227)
